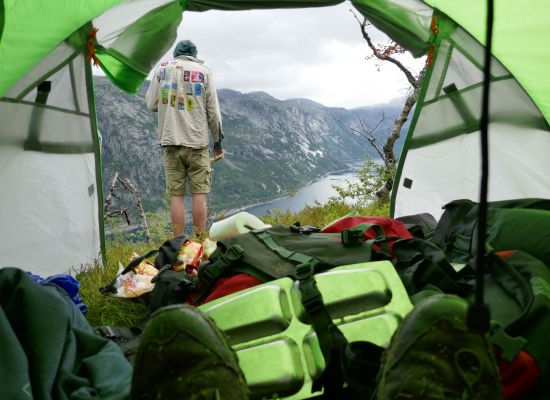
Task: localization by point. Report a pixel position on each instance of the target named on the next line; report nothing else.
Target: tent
(51, 206)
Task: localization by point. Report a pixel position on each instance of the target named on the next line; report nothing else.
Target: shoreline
(290, 194)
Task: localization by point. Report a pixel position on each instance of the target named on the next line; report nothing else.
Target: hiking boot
(432, 355)
(183, 355)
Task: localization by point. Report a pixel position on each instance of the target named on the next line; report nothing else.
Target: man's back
(183, 92)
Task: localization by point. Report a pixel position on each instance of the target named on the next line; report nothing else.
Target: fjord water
(319, 191)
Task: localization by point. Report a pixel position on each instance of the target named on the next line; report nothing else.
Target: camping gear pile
(312, 293)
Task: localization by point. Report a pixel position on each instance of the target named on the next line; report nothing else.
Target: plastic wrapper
(137, 282)
(209, 246)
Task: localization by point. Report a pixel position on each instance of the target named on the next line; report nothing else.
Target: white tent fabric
(48, 211)
(441, 159)
(48, 168)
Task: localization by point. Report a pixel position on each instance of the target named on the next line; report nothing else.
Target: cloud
(315, 53)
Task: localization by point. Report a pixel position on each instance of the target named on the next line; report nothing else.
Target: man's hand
(218, 152)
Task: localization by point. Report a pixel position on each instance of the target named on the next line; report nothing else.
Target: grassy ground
(106, 310)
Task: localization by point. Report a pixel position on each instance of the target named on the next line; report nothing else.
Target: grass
(108, 310)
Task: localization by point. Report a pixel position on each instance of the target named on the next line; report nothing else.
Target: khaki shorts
(184, 163)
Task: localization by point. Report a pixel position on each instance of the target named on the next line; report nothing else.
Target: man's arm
(151, 97)
(213, 112)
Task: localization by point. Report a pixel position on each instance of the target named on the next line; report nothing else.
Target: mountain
(271, 146)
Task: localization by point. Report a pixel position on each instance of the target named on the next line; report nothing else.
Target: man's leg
(199, 213)
(177, 214)
(175, 171)
(199, 174)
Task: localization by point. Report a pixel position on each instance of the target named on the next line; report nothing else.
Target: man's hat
(185, 48)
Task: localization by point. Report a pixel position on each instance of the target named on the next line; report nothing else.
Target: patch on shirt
(162, 64)
(181, 103)
(194, 76)
(201, 77)
(165, 93)
(190, 103)
(186, 75)
(167, 75)
(161, 74)
(198, 89)
(189, 89)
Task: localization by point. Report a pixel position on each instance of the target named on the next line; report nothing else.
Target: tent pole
(478, 313)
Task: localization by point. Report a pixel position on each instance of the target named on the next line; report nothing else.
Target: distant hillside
(271, 146)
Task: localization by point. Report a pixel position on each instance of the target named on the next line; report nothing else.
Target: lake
(319, 191)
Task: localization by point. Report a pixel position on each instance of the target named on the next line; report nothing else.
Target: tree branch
(384, 55)
(128, 185)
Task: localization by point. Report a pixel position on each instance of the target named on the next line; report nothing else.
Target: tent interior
(50, 150)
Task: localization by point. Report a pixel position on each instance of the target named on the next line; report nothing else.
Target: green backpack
(516, 284)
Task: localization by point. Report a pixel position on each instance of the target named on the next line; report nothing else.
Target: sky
(313, 53)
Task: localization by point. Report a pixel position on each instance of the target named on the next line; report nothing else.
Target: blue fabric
(67, 283)
(185, 48)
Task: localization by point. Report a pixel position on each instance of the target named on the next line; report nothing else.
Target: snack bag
(137, 282)
(189, 257)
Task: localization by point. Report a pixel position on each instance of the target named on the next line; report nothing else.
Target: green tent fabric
(30, 30)
(520, 39)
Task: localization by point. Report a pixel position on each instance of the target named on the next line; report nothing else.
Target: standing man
(183, 94)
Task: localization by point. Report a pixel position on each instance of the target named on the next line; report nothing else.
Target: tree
(387, 53)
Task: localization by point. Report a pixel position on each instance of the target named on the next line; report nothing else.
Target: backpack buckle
(311, 297)
(234, 253)
(304, 271)
(352, 237)
(306, 229)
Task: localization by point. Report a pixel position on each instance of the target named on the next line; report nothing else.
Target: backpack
(516, 284)
(522, 224)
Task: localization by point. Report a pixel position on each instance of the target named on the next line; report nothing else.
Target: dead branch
(119, 212)
(384, 53)
(129, 186)
(111, 191)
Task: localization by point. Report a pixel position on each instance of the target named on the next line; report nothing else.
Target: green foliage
(322, 215)
(372, 177)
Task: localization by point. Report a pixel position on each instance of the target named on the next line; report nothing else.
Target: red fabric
(505, 254)
(391, 227)
(517, 377)
(228, 285)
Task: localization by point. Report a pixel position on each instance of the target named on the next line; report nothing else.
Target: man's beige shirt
(183, 93)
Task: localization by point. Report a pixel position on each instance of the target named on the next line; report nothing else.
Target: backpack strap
(292, 256)
(331, 340)
(356, 236)
(209, 275)
(118, 333)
